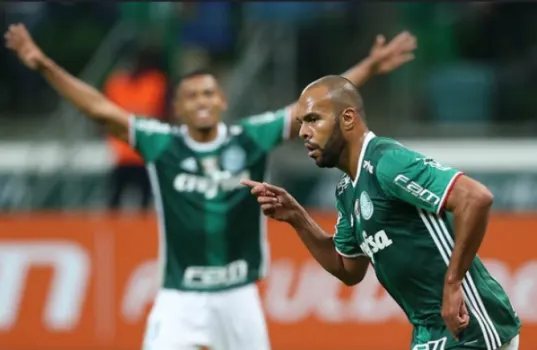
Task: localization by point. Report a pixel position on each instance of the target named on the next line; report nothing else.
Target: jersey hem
(349, 255)
(210, 290)
(447, 191)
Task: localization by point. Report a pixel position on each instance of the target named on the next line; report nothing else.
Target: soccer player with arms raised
(212, 236)
(417, 222)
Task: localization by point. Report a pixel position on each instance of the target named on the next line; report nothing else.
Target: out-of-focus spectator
(207, 24)
(158, 23)
(206, 34)
(142, 90)
(289, 11)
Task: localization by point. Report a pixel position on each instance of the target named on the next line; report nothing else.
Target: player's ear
(348, 118)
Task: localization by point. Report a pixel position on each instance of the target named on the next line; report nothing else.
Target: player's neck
(203, 136)
(351, 156)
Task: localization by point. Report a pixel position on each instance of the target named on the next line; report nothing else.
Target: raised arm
(83, 96)
(383, 58)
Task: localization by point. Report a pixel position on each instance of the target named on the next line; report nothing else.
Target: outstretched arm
(83, 96)
(350, 267)
(383, 58)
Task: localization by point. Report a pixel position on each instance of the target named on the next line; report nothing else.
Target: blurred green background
(474, 78)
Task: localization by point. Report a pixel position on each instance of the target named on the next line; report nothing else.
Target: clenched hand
(454, 310)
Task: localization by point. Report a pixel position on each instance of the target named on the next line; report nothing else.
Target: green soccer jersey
(212, 234)
(392, 214)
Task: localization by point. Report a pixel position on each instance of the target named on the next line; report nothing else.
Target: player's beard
(333, 149)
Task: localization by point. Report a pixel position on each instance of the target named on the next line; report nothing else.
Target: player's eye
(311, 120)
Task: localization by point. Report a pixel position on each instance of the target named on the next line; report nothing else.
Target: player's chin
(322, 162)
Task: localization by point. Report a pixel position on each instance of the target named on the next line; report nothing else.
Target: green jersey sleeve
(269, 129)
(415, 179)
(344, 240)
(149, 137)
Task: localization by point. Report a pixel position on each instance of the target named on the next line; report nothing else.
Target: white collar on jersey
(368, 137)
(205, 146)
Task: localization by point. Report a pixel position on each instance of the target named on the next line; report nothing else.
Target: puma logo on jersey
(375, 243)
(367, 166)
(189, 164)
(433, 163)
(210, 186)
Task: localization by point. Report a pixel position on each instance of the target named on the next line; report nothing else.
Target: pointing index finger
(250, 183)
(274, 189)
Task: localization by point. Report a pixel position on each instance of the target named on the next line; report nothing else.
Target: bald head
(331, 117)
(338, 90)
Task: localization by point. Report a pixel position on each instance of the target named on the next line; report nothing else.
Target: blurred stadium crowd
(474, 77)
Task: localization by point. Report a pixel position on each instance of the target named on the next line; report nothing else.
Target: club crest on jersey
(366, 206)
(233, 159)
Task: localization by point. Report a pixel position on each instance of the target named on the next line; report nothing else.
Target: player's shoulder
(235, 129)
(379, 146)
(388, 150)
(265, 119)
(260, 118)
(240, 133)
(385, 153)
(153, 125)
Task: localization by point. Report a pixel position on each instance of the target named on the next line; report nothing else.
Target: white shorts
(511, 344)
(227, 320)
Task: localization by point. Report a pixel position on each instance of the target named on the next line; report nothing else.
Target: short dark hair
(195, 73)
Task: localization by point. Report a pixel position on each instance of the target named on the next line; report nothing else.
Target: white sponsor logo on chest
(375, 243)
(211, 185)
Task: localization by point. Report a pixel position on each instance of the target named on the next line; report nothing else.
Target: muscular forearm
(320, 245)
(86, 98)
(470, 225)
(80, 94)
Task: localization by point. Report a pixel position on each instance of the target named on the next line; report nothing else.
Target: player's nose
(304, 132)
